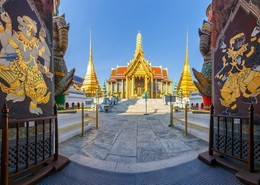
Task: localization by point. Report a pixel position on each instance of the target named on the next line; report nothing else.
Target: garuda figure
(204, 77)
(63, 78)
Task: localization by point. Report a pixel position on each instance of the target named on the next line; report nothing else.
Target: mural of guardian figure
(25, 58)
(238, 71)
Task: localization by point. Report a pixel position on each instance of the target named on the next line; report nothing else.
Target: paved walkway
(125, 135)
(130, 148)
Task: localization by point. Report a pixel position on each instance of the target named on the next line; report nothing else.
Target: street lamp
(145, 97)
(171, 111)
(96, 109)
(181, 95)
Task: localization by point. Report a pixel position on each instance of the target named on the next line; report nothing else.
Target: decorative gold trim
(2, 29)
(58, 73)
(13, 44)
(8, 26)
(33, 105)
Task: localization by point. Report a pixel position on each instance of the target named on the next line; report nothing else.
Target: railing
(233, 136)
(186, 109)
(27, 144)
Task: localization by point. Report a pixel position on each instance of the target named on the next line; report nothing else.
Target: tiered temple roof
(158, 71)
(139, 76)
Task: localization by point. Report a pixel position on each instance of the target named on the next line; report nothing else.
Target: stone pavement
(125, 135)
(130, 148)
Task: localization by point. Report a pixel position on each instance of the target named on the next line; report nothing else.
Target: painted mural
(237, 62)
(26, 77)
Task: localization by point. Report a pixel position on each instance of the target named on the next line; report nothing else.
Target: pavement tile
(147, 154)
(124, 147)
(91, 150)
(78, 141)
(121, 158)
(67, 149)
(174, 145)
(148, 142)
(197, 144)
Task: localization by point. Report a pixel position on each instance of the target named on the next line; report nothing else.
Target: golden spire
(139, 46)
(186, 82)
(90, 83)
(90, 48)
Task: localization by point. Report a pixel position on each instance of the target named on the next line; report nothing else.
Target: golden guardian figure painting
(25, 58)
(237, 63)
(242, 71)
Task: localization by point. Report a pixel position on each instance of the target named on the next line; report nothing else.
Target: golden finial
(139, 46)
(187, 47)
(90, 47)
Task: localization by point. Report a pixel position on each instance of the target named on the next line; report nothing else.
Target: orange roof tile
(113, 72)
(164, 72)
(121, 70)
(156, 70)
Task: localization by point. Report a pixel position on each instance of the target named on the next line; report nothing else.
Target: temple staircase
(138, 106)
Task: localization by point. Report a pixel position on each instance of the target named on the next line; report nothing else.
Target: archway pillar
(127, 88)
(152, 87)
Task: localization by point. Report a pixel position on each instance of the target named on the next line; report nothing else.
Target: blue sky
(115, 24)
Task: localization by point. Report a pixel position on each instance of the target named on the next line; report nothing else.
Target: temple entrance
(139, 86)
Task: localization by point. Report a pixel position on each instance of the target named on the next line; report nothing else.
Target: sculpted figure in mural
(5, 31)
(24, 75)
(238, 70)
(204, 77)
(63, 78)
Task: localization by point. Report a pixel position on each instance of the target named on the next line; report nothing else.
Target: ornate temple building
(90, 84)
(139, 76)
(186, 85)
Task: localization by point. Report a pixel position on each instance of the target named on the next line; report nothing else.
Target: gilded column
(116, 91)
(161, 87)
(156, 88)
(126, 87)
(151, 87)
(145, 83)
(122, 88)
(108, 88)
(112, 89)
(133, 84)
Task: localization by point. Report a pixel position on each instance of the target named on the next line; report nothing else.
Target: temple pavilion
(139, 76)
(186, 85)
(90, 84)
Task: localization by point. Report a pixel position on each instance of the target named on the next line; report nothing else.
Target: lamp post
(96, 109)
(171, 112)
(145, 98)
(181, 95)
